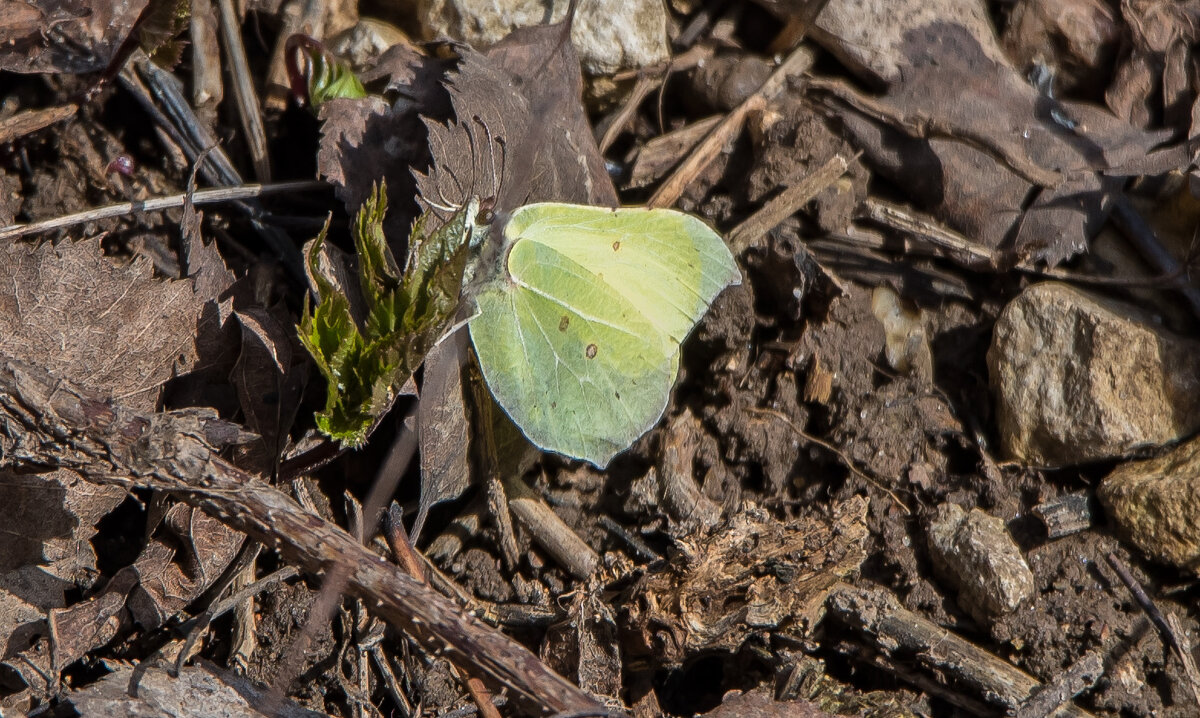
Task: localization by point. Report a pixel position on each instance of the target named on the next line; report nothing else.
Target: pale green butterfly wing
(578, 337)
(581, 382)
(667, 263)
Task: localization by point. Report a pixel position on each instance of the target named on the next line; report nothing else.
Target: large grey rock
(1080, 378)
(974, 553)
(609, 35)
(1155, 505)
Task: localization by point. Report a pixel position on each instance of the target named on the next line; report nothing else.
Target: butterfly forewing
(668, 264)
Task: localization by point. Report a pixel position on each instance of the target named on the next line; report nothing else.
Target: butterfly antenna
(446, 205)
(492, 155)
(462, 191)
(439, 208)
(474, 158)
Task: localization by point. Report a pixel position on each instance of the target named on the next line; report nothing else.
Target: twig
(194, 627)
(402, 548)
(699, 23)
(639, 546)
(549, 530)
(971, 255)
(641, 90)
(799, 61)
(28, 121)
(48, 422)
(243, 89)
(407, 557)
(154, 204)
(193, 137)
(1165, 632)
(785, 204)
(647, 79)
(1081, 676)
(1185, 655)
(910, 638)
(1144, 240)
(207, 89)
(780, 416)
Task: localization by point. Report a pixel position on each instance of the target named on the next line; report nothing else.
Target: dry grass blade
(119, 209)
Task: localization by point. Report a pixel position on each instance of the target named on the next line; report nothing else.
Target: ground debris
(750, 574)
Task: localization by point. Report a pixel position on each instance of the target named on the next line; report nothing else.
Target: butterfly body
(580, 315)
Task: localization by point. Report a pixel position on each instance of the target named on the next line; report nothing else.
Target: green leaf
(329, 78)
(406, 312)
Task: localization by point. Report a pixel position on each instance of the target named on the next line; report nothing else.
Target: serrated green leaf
(159, 28)
(366, 365)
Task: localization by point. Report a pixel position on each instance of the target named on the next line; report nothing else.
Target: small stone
(1080, 378)
(1155, 505)
(975, 554)
(609, 35)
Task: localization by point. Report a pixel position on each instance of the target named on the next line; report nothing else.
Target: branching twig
(48, 422)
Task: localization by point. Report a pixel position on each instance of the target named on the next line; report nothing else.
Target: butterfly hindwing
(579, 370)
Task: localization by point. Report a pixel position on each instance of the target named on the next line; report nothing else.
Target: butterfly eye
(487, 211)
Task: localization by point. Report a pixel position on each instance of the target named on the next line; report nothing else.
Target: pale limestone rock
(609, 35)
(1079, 378)
(1156, 505)
(975, 554)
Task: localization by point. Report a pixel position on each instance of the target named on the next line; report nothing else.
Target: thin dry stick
(647, 79)
(1079, 677)
(154, 204)
(784, 205)
(799, 61)
(49, 422)
(548, 530)
(406, 556)
(207, 88)
(243, 90)
(908, 638)
(1166, 632)
(1143, 238)
(973, 254)
(830, 447)
(645, 85)
(1185, 655)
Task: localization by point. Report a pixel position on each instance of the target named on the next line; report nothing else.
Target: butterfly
(579, 314)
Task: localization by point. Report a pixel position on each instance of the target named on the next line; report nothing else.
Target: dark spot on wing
(554, 405)
(590, 352)
(616, 245)
(564, 323)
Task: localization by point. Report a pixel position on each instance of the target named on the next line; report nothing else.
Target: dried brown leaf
(71, 36)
